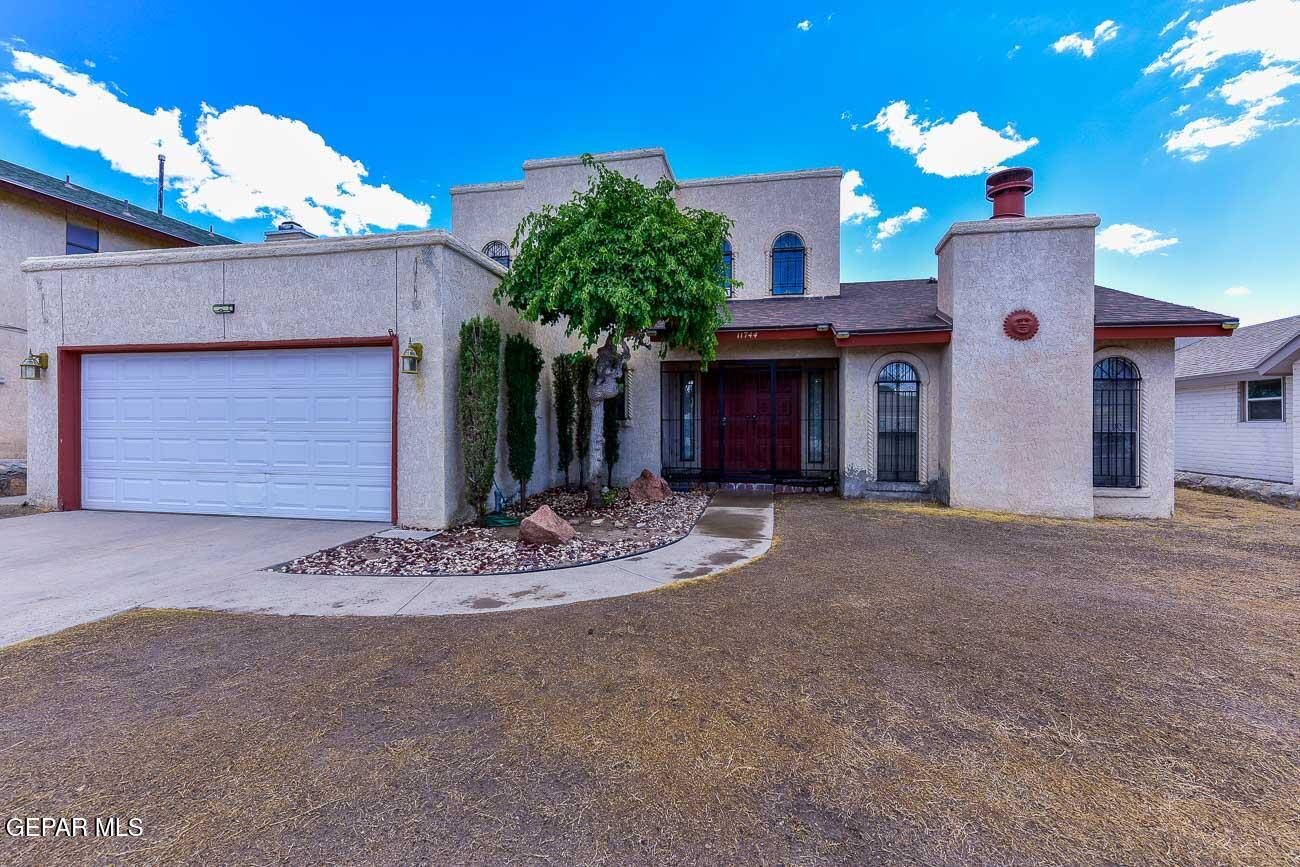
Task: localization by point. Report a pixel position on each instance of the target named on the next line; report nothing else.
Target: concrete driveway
(64, 568)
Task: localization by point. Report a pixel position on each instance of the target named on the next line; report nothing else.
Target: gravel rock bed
(621, 529)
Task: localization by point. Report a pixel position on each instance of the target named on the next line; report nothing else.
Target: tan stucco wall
(1021, 411)
(765, 207)
(353, 287)
(1154, 498)
(762, 206)
(31, 228)
(860, 369)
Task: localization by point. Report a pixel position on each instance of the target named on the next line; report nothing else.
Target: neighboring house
(42, 215)
(1010, 381)
(1236, 403)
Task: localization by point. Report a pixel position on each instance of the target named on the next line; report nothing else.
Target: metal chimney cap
(1007, 189)
(1019, 178)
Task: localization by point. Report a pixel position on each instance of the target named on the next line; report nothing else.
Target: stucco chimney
(289, 231)
(1007, 190)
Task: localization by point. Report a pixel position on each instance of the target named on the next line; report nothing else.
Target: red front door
(737, 409)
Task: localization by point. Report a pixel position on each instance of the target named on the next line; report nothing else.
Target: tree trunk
(611, 358)
(523, 494)
(595, 458)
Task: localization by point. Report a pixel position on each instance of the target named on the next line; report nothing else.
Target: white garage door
(300, 433)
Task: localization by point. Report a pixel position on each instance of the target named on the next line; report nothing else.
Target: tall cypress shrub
(584, 366)
(523, 369)
(564, 407)
(480, 389)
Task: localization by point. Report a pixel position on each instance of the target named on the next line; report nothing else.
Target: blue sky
(361, 122)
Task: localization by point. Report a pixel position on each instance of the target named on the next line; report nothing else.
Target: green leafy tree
(583, 366)
(564, 408)
(613, 263)
(480, 389)
(523, 370)
(612, 429)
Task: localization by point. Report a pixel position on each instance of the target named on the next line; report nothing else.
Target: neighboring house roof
(1269, 348)
(34, 184)
(912, 305)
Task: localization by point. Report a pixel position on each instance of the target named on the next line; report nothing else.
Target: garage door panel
(286, 433)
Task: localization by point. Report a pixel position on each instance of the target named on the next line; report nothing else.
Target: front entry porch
(774, 421)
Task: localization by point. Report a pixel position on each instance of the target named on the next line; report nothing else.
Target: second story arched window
(789, 265)
(727, 267)
(498, 252)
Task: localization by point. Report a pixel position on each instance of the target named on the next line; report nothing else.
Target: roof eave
(1162, 330)
(1281, 362)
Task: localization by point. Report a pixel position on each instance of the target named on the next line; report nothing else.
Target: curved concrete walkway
(734, 529)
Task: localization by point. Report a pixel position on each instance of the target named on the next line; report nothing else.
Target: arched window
(789, 257)
(898, 418)
(498, 252)
(726, 265)
(1116, 389)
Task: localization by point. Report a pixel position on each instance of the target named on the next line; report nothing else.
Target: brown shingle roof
(886, 305)
(1114, 307)
(911, 305)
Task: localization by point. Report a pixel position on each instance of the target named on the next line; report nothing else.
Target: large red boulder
(544, 527)
(649, 488)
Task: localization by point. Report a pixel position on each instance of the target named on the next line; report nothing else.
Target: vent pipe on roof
(1007, 190)
(289, 231)
(161, 159)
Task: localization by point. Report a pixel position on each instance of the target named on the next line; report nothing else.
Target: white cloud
(1236, 291)
(88, 63)
(1131, 239)
(1195, 140)
(1077, 42)
(241, 162)
(1015, 49)
(1268, 28)
(1174, 23)
(963, 146)
(804, 25)
(854, 206)
(77, 111)
(1258, 85)
(890, 227)
(1182, 110)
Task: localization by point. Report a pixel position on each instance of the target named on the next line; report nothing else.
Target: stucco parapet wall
(274, 249)
(498, 187)
(832, 172)
(606, 157)
(1018, 224)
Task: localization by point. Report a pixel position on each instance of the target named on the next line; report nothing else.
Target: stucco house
(41, 215)
(263, 379)
(1235, 403)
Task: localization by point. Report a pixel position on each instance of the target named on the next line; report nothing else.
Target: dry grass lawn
(892, 684)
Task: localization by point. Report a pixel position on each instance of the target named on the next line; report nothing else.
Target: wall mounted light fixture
(31, 366)
(411, 357)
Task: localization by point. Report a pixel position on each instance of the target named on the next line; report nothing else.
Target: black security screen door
(898, 417)
(1116, 385)
(773, 420)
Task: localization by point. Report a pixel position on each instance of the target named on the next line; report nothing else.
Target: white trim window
(1263, 400)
